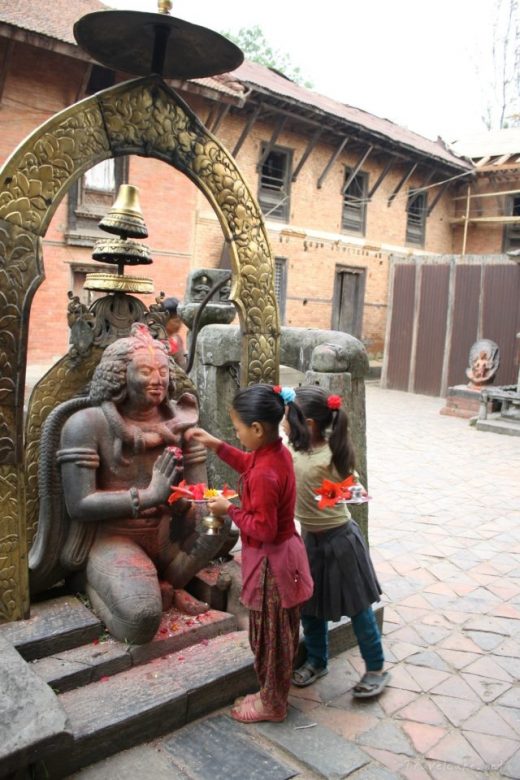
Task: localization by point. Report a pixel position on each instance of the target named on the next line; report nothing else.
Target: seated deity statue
(117, 462)
(484, 361)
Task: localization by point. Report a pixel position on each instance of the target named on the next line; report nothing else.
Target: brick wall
(184, 231)
(315, 244)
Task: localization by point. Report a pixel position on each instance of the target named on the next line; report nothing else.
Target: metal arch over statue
(143, 117)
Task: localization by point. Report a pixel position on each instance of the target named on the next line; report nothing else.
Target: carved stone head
(109, 382)
(329, 358)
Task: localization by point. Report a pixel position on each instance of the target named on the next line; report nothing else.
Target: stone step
(118, 695)
(146, 701)
(105, 656)
(55, 625)
(32, 721)
(498, 424)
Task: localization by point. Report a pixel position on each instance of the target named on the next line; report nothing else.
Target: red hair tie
(334, 402)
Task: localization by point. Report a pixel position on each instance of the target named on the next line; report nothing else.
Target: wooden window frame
(416, 221)
(356, 202)
(84, 214)
(511, 233)
(275, 203)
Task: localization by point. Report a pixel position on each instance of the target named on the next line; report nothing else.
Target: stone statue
(117, 461)
(484, 360)
(220, 310)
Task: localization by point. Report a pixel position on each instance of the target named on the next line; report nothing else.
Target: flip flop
(246, 712)
(371, 684)
(307, 674)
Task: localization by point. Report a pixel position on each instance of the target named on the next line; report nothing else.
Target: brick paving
(445, 539)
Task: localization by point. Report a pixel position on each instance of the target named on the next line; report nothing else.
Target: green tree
(253, 43)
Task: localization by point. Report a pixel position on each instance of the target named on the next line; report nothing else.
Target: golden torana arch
(142, 117)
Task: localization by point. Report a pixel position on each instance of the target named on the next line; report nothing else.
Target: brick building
(341, 189)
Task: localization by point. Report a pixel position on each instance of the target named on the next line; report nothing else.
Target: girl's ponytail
(343, 456)
(332, 421)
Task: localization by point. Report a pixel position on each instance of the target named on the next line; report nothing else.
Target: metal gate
(438, 307)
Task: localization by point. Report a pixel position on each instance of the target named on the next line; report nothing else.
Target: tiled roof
(221, 84)
(270, 82)
(55, 19)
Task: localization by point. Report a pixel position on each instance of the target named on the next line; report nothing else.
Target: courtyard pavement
(445, 538)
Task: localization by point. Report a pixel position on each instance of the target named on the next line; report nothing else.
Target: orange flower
(197, 492)
(333, 492)
(180, 491)
(228, 492)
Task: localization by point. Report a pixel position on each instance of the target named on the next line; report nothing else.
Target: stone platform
(497, 423)
(462, 402)
(86, 696)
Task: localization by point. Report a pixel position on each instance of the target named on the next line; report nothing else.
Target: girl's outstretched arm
(203, 437)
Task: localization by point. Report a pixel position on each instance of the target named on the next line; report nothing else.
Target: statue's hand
(164, 475)
(186, 413)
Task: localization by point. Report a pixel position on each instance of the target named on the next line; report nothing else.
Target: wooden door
(349, 294)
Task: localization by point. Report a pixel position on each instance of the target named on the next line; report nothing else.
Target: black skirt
(345, 582)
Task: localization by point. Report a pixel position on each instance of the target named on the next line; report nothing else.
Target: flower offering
(331, 493)
(199, 492)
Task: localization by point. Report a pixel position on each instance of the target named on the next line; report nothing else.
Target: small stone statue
(81, 324)
(118, 463)
(220, 310)
(484, 360)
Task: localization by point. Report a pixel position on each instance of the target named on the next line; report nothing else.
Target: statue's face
(147, 378)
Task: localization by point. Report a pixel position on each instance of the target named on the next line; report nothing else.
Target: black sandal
(371, 684)
(307, 674)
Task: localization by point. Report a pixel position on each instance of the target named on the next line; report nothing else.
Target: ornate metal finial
(125, 220)
(164, 6)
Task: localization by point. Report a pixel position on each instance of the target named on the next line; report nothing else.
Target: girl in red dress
(275, 571)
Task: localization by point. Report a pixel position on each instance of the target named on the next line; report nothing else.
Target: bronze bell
(125, 218)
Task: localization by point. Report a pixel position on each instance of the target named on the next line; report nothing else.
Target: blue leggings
(316, 638)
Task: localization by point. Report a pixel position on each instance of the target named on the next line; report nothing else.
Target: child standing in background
(275, 569)
(173, 326)
(345, 582)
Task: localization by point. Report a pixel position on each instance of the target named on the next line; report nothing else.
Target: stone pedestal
(462, 402)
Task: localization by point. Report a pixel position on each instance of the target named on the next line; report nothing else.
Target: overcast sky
(411, 61)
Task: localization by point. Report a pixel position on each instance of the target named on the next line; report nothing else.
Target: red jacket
(266, 522)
